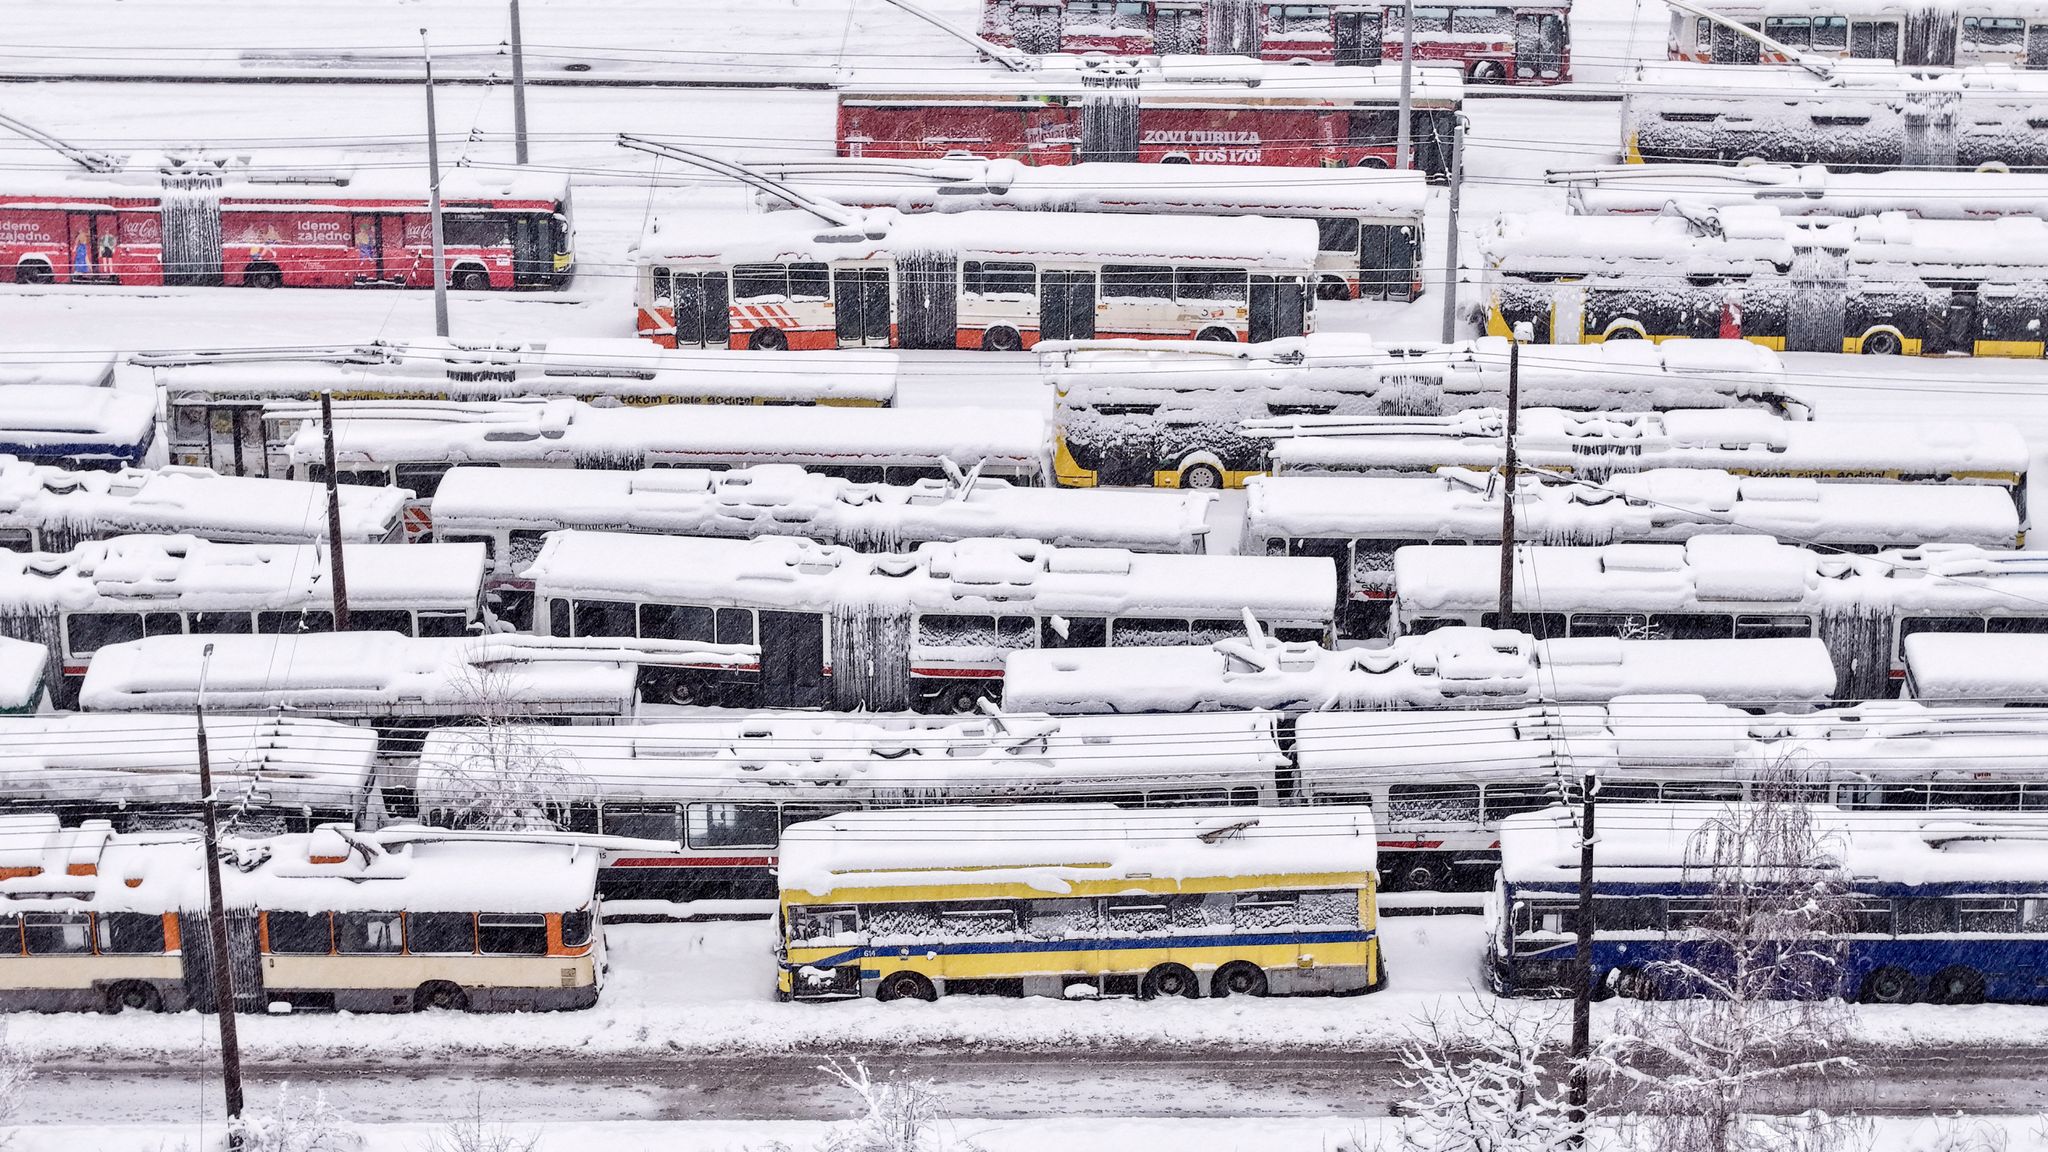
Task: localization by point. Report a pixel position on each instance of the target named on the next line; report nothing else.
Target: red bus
(1495, 44)
(362, 230)
(1186, 111)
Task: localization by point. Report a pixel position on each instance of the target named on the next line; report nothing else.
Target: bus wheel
(1424, 874)
(957, 699)
(1957, 985)
(1217, 335)
(1889, 986)
(1238, 978)
(768, 340)
(1201, 478)
(33, 272)
(262, 276)
(1882, 343)
(906, 986)
(472, 280)
(1001, 339)
(440, 995)
(133, 998)
(1488, 72)
(1169, 981)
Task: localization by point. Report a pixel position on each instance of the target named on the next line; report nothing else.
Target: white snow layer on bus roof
(840, 758)
(1972, 668)
(343, 186)
(274, 762)
(1216, 80)
(22, 666)
(76, 368)
(373, 672)
(1656, 842)
(973, 576)
(784, 500)
(1448, 667)
(562, 431)
(185, 572)
(332, 868)
(1455, 504)
(194, 500)
(1850, 77)
(1052, 847)
(55, 415)
(1286, 245)
(959, 185)
(1735, 439)
(1808, 190)
(1708, 573)
(1758, 234)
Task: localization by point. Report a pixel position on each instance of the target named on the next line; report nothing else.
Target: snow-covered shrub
(16, 1071)
(1484, 1079)
(295, 1123)
(473, 1132)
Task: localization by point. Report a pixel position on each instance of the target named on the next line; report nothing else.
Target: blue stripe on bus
(1236, 940)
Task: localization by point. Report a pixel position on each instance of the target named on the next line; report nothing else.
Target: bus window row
(87, 632)
(420, 933)
(1079, 917)
(1866, 915)
(82, 933)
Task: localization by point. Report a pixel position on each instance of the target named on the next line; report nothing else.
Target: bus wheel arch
(1883, 341)
(905, 986)
(1373, 162)
(768, 340)
(1632, 983)
(1201, 472)
(1217, 335)
(1420, 873)
(959, 698)
(1176, 158)
(1002, 338)
(1889, 986)
(133, 996)
(262, 275)
(1956, 984)
(1170, 982)
(470, 278)
(34, 270)
(1488, 72)
(1332, 288)
(1624, 330)
(439, 995)
(1238, 978)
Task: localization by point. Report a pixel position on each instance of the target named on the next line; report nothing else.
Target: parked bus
(232, 410)
(1877, 119)
(76, 426)
(1991, 669)
(24, 676)
(336, 919)
(1174, 416)
(926, 628)
(110, 591)
(1167, 111)
(993, 281)
(1360, 521)
(1050, 900)
(1368, 222)
(1687, 189)
(1946, 908)
(1516, 44)
(46, 509)
(369, 229)
(1943, 34)
(1739, 587)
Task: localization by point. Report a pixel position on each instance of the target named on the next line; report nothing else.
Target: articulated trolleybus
(995, 281)
(1941, 33)
(1061, 900)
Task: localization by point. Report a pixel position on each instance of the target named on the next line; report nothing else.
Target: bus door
(1958, 330)
(2037, 46)
(93, 238)
(1177, 30)
(1279, 307)
(792, 660)
(368, 231)
(1386, 262)
(1539, 45)
(234, 440)
(533, 257)
(1066, 304)
(703, 313)
(1036, 26)
(860, 307)
(1358, 39)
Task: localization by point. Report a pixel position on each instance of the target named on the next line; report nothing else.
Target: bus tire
(1001, 339)
(905, 986)
(132, 996)
(1882, 342)
(33, 272)
(1422, 874)
(1957, 984)
(1332, 288)
(1217, 335)
(768, 340)
(1238, 978)
(471, 280)
(1889, 986)
(440, 995)
(1201, 478)
(1488, 72)
(262, 276)
(1170, 982)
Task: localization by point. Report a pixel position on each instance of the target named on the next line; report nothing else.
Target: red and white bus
(362, 230)
(1171, 111)
(994, 281)
(1508, 43)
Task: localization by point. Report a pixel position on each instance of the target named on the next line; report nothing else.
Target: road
(983, 1084)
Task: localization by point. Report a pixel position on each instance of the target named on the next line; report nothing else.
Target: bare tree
(1484, 1081)
(1750, 1009)
(473, 1132)
(504, 771)
(16, 1071)
(901, 1116)
(297, 1123)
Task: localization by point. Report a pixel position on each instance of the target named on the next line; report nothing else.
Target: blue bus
(1938, 907)
(76, 426)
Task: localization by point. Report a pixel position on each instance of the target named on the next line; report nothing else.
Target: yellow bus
(1079, 901)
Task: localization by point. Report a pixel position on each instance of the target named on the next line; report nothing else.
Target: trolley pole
(1404, 140)
(518, 91)
(217, 921)
(1451, 229)
(334, 559)
(1582, 998)
(1507, 491)
(434, 197)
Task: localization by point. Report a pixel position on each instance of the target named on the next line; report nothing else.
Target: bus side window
(369, 933)
(1137, 282)
(511, 934)
(1773, 627)
(490, 543)
(299, 933)
(57, 933)
(1542, 625)
(17, 540)
(443, 624)
(380, 620)
(1337, 234)
(675, 622)
(423, 479)
(1925, 916)
(440, 933)
(759, 281)
(810, 282)
(1434, 803)
(558, 617)
(130, 933)
(732, 825)
(88, 632)
(606, 618)
(1874, 917)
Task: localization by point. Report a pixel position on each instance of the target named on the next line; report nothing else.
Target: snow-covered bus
(925, 628)
(1811, 190)
(231, 410)
(1368, 221)
(1173, 110)
(1733, 586)
(1876, 117)
(1175, 416)
(111, 591)
(335, 919)
(993, 281)
(46, 509)
(1989, 668)
(76, 426)
(1942, 33)
(1359, 521)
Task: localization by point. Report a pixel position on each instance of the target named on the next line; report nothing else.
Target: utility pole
(334, 514)
(217, 920)
(1507, 491)
(518, 91)
(1582, 999)
(434, 197)
(1404, 146)
(1451, 238)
